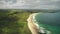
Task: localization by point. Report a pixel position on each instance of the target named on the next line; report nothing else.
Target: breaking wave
(41, 29)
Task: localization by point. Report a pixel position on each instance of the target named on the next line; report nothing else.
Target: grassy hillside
(14, 22)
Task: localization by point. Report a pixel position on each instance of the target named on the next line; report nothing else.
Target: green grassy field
(14, 22)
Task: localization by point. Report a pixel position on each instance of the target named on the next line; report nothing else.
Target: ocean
(48, 23)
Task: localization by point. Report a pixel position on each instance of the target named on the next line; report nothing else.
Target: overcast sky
(30, 4)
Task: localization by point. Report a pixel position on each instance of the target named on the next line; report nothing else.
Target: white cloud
(32, 4)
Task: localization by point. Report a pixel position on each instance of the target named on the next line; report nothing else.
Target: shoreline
(32, 26)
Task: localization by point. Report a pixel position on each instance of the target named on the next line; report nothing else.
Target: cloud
(31, 4)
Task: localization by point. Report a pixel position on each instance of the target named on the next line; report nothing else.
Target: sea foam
(41, 29)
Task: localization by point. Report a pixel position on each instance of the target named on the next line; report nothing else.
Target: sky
(29, 4)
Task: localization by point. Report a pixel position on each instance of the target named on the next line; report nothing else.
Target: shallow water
(50, 21)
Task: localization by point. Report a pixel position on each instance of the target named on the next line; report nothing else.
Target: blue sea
(49, 21)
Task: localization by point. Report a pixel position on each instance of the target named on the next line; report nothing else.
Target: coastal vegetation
(15, 21)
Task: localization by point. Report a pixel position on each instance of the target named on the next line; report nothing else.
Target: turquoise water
(50, 21)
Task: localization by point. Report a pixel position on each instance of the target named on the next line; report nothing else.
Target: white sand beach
(32, 26)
